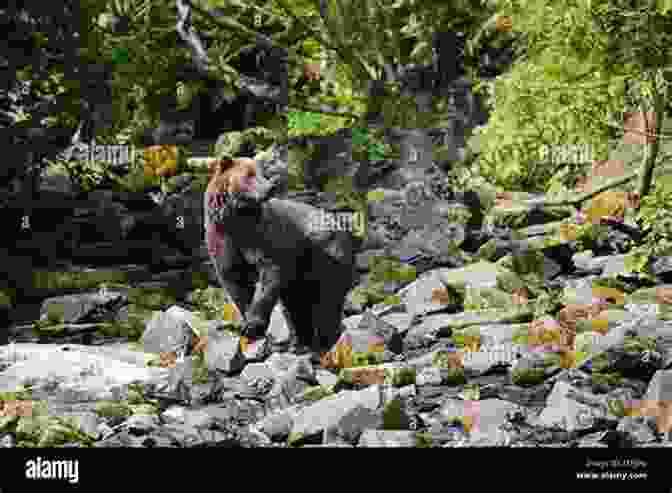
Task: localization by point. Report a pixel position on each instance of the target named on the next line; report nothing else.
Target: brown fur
(227, 176)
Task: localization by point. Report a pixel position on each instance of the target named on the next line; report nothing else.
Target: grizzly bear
(254, 237)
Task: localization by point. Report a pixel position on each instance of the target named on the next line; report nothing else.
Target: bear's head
(232, 175)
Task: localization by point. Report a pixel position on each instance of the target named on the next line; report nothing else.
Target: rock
(223, 352)
(351, 425)
(564, 411)
(193, 418)
(76, 374)
(278, 328)
(168, 331)
(278, 425)
(638, 427)
(418, 296)
(327, 413)
(660, 386)
(141, 424)
(430, 327)
(387, 438)
(402, 321)
(492, 414)
(498, 334)
(86, 421)
(614, 265)
(85, 307)
(325, 377)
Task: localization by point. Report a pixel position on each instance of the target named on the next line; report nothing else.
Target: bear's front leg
(266, 295)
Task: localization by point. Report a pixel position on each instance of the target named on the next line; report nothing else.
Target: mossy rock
(453, 376)
(610, 379)
(49, 280)
(314, 394)
(423, 440)
(112, 409)
(158, 298)
(131, 324)
(144, 409)
(528, 377)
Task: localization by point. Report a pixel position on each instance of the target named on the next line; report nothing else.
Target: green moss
(423, 440)
(366, 359)
(295, 439)
(314, 394)
(43, 279)
(606, 379)
(454, 376)
(639, 344)
(528, 377)
(395, 416)
(112, 409)
(153, 298)
(617, 408)
(144, 409)
(404, 376)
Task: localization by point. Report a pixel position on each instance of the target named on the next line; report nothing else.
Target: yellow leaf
(610, 203)
(600, 325)
(503, 23)
(244, 343)
(343, 356)
(230, 312)
(568, 232)
(612, 295)
(567, 359)
(377, 348)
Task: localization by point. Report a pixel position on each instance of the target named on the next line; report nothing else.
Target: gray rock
(638, 427)
(76, 308)
(168, 331)
(223, 353)
(87, 422)
(279, 425)
(141, 424)
(325, 377)
(194, 418)
(327, 413)
(351, 425)
(387, 438)
(279, 329)
(565, 411)
(417, 296)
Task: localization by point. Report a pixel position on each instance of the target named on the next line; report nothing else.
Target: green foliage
(639, 344)
(568, 88)
(655, 217)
